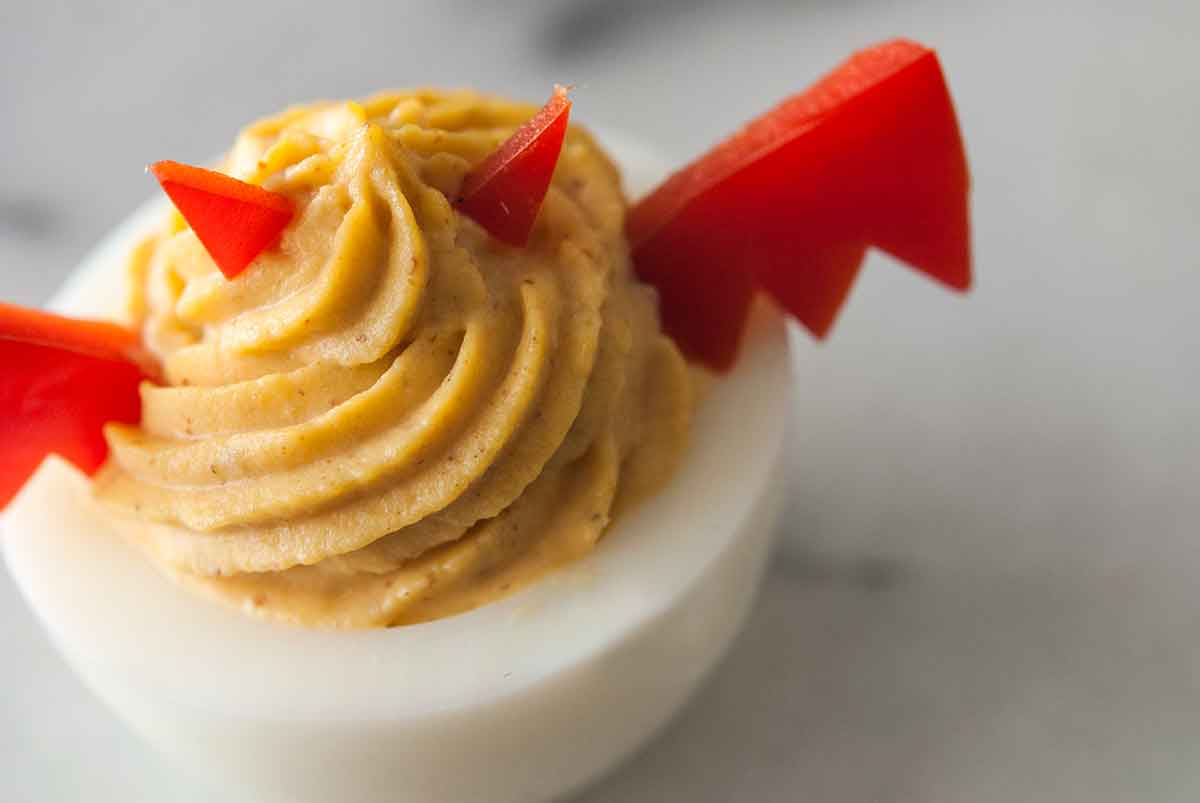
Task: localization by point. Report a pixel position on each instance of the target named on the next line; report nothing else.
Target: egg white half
(571, 673)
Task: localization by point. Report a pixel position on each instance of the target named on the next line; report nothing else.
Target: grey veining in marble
(986, 589)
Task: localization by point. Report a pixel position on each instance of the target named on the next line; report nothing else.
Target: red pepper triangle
(235, 221)
(504, 192)
(101, 339)
(63, 380)
(869, 155)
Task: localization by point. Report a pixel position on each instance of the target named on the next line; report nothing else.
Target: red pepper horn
(504, 192)
(235, 221)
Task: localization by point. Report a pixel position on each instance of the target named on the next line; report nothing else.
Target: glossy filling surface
(391, 417)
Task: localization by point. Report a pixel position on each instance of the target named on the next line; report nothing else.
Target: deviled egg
(420, 417)
(521, 699)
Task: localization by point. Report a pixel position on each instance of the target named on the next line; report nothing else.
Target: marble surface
(986, 586)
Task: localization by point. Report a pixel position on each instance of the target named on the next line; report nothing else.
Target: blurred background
(986, 588)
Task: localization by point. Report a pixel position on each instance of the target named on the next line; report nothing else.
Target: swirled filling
(392, 417)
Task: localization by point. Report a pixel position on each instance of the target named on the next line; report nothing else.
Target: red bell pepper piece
(63, 379)
(504, 192)
(235, 221)
(101, 339)
(869, 155)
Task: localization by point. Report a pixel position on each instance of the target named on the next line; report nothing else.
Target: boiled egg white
(521, 700)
